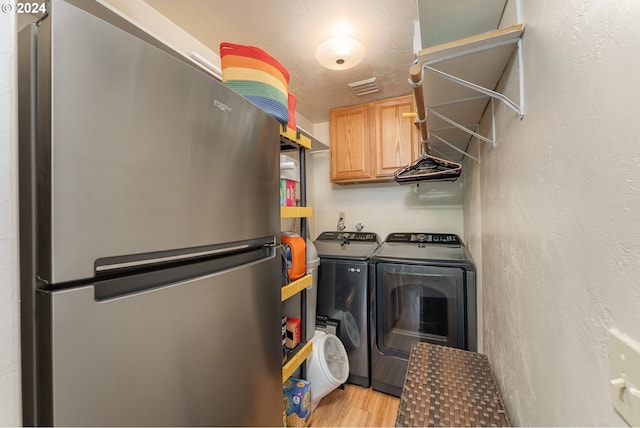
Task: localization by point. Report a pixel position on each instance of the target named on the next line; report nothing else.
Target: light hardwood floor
(356, 407)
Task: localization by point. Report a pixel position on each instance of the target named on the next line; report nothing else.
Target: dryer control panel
(425, 238)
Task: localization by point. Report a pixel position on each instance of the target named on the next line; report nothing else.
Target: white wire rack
(454, 83)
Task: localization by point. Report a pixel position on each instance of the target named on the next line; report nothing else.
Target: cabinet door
(351, 148)
(396, 137)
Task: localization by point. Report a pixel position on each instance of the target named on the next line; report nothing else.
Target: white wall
(552, 214)
(382, 207)
(10, 401)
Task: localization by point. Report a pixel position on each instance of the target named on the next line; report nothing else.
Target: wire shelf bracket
(510, 39)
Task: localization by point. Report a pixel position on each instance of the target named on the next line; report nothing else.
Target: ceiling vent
(363, 87)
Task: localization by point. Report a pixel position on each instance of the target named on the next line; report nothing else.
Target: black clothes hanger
(429, 168)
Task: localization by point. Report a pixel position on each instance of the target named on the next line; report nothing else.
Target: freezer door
(147, 152)
(197, 352)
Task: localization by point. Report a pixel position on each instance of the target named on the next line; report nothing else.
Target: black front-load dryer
(423, 289)
(343, 294)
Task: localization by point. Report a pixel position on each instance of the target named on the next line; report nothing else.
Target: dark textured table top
(449, 387)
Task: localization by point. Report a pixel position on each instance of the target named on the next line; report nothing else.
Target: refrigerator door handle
(127, 263)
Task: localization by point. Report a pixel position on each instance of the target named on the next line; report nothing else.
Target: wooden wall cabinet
(350, 149)
(369, 142)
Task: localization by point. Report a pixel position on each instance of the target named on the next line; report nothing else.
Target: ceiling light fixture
(340, 53)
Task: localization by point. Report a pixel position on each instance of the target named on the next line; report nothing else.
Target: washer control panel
(348, 236)
(425, 238)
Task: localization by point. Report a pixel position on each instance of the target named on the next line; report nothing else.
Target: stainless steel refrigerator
(150, 286)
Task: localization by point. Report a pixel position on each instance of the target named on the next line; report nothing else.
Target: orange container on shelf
(295, 252)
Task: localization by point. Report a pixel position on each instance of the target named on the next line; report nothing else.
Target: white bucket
(327, 366)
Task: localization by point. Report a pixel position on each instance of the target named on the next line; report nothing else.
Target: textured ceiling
(290, 30)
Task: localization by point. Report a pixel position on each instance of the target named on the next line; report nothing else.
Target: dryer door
(423, 303)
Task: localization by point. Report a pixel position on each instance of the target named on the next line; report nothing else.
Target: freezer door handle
(167, 259)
